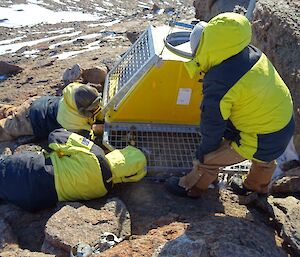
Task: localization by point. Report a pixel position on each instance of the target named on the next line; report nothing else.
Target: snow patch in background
(66, 55)
(12, 48)
(31, 14)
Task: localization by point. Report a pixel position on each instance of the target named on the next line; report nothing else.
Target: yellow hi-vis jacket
(68, 116)
(244, 98)
(83, 172)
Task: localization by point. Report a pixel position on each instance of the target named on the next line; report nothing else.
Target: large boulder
(288, 183)
(76, 223)
(276, 31)
(285, 213)
(206, 9)
(9, 69)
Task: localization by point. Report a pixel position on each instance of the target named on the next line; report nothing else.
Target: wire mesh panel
(168, 148)
(132, 66)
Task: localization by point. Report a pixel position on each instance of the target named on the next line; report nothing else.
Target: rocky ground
(149, 220)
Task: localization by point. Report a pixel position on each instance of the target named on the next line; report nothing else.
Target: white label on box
(184, 96)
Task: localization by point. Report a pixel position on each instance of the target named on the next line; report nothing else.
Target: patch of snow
(8, 41)
(32, 53)
(107, 3)
(144, 6)
(22, 15)
(100, 9)
(11, 48)
(64, 30)
(159, 11)
(58, 2)
(89, 36)
(35, 1)
(110, 23)
(67, 55)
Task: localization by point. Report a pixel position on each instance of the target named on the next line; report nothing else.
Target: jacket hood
(68, 95)
(224, 36)
(127, 165)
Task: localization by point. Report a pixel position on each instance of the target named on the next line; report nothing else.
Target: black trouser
(27, 180)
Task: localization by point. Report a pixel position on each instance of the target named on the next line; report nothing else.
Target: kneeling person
(74, 169)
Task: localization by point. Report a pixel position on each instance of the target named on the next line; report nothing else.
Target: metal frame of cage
(132, 66)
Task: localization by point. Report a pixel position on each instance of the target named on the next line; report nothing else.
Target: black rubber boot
(173, 187)
(246, 196)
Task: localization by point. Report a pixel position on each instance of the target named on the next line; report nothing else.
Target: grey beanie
(195, 36)
(86, 99)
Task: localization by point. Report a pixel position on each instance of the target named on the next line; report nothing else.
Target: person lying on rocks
(76, 110)
(246, 111)
(72, 169)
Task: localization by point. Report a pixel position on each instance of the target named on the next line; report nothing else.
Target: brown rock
(146, 245)
(94, 75)
(289, 183)
(77, 223)
(9, 69)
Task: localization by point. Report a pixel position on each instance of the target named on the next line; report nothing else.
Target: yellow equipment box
(151, 102)
(151, 85)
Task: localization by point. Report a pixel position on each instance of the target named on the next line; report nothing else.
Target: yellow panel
(166, 94)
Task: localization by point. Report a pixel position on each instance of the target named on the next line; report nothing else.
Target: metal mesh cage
(167, 148)
(132, 66)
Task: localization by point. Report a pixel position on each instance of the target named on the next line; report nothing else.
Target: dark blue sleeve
(212, 124)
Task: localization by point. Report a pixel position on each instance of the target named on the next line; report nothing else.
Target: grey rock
(182, 246)
(291, 228)
(206, 9)
(76, 223)
(9, 69)
(132, 36)
(228, 236)
(72, 74)
(285, 212)
(289, 183)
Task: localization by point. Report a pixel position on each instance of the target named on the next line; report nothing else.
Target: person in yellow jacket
(73, 168)
(246, 111)
(77, 110)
